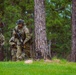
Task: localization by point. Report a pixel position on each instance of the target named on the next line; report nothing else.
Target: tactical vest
(21, 34)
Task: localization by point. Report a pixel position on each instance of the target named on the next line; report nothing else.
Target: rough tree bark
(73, 53)
(40, 28)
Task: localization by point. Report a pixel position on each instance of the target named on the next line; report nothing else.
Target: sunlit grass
(38, 68)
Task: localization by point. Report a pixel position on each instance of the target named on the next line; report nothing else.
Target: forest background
(58, 22)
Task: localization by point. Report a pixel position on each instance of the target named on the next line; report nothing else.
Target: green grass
(38, 68)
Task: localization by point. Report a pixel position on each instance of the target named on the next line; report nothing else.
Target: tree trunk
(73, 53)
(40, 29)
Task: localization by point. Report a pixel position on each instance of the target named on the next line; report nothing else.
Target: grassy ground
(38, 68)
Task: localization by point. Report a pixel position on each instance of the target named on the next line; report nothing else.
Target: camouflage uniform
(2, 42)
(13, 48)
(2, 39)
(26, 36)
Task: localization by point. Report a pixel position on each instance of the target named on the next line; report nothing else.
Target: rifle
(19, 36)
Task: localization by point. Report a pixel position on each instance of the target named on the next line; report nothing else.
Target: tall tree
(73, 54)
(40, 28)
(58, 22)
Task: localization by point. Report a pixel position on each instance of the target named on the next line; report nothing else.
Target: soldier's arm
(11, 41)
(14, 32)
(28, 35)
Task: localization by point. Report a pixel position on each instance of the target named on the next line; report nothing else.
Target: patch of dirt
(56, 60)
(28, 61)
(52, 61)
(47, 60)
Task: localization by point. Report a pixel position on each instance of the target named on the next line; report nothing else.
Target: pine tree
(40, 29)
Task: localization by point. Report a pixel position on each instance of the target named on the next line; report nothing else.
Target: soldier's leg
(13, 58)
(23, 55)
(19, 52)
(13, 54)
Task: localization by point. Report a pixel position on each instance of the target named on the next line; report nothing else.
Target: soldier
(2, 42)
(22, 35)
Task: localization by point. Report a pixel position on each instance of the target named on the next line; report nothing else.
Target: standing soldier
(2, 41)
(22, 35)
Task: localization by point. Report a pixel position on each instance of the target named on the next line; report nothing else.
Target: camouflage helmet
(20, 21)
